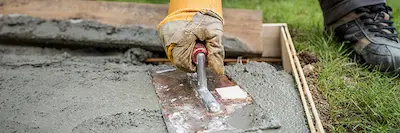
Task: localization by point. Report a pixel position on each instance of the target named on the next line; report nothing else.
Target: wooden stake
(320, 128)
(296, 76)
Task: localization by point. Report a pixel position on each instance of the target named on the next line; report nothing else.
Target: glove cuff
(176, 5)
(187, 15)
(186, 9)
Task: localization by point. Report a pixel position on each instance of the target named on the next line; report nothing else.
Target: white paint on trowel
(166, 70)
(75, 20)
(231, 92)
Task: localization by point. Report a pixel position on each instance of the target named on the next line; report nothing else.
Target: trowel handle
(198, 48)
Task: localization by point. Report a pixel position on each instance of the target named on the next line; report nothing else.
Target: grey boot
(372, 34)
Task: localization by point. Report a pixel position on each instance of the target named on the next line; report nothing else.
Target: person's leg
(334, 9)
(367, 25)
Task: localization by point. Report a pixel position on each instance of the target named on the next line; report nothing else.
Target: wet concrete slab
(49, 90)
(274, 91)
(64, 90)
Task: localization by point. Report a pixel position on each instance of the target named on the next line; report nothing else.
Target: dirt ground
(308, 62)
(88, 90)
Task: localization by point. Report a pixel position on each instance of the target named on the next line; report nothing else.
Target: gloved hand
(189, 21)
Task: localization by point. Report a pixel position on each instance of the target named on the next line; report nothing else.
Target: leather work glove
(189, 21)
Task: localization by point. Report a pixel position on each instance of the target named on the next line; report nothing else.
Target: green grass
(361, 100)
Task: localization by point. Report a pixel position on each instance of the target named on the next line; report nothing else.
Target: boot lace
(375, 19)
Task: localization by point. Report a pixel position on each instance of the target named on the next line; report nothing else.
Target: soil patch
(310, 69)
(307, 58)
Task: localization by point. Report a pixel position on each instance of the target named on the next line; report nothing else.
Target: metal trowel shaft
(209, 101)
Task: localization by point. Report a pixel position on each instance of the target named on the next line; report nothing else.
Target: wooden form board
(271, 39)
(244, 24)
(277, 41)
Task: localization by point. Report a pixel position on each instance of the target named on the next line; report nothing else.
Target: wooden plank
(290, 54)
(291, 65)
(271, 40)
(319, 126)
(285, 50)
(244, 24)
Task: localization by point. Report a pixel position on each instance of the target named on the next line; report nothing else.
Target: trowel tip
(214, 107)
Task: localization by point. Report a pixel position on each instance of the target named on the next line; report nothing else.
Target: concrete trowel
(200, 58)
(198, 102)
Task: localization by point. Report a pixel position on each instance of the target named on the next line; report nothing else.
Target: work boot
(371, 32)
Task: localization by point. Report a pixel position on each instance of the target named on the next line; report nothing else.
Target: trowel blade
(182, 109)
